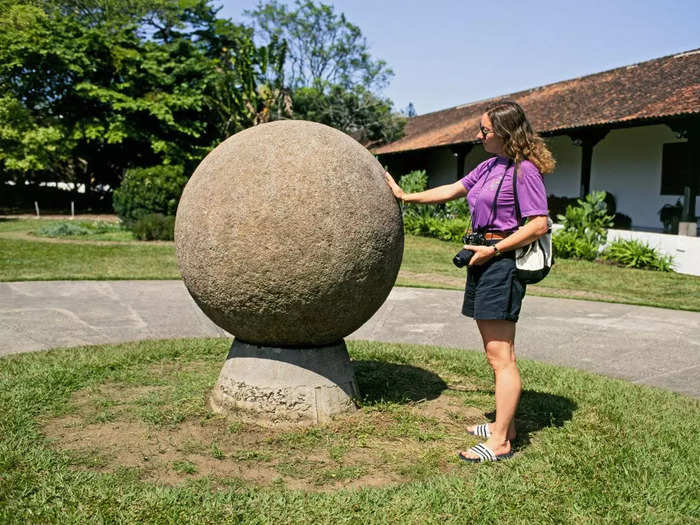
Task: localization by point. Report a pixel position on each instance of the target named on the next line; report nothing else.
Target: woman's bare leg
(499, 343)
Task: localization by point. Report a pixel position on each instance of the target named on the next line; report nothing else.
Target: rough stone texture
(287, 235)
(285, 385)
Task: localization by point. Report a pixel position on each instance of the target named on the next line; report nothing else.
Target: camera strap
(495, 198)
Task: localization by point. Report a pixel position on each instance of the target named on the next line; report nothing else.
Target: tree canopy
(325, 49)
(91, 88)
(330, 71)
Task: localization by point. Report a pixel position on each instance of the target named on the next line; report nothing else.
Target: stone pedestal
(278, 386)
(689, 229)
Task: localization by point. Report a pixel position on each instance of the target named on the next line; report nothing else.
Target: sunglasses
(485, 131)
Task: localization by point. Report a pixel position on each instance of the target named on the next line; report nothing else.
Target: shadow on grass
(396, 383)
(390, 382)
(536, 411)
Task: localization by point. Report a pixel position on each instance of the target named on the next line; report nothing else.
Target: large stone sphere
(287, 235)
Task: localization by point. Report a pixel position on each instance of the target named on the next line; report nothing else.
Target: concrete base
(688, 228)
(277, 386)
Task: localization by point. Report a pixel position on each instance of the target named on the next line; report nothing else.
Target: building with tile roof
(633, 131)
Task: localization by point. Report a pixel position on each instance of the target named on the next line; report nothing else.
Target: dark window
(675, 172)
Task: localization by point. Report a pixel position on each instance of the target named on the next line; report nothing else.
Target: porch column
(688, 217)
(460, 151)
(587, 140)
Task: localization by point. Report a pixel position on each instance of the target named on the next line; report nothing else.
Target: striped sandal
(484, 453)
(481, 431)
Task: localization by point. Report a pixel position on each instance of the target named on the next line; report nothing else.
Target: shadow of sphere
(396, 383)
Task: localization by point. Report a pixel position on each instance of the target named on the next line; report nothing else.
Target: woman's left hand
(481, 254)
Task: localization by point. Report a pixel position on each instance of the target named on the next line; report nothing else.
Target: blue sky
(447, 53)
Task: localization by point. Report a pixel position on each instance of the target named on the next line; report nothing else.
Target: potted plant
(670, 215)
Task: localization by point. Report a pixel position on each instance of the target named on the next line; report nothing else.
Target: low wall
(685, 250)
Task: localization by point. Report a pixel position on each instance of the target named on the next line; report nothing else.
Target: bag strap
(495, 199)
(518, 215)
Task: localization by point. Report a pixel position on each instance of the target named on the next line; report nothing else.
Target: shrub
(67, 229)
(147, 191)
(438, 228)
(458, 209)
(589, 219)
(584, 228)
(63, 229)
(636, 254)
(670, 216)
(103, 226)
(415, 182)
(570, 245)
(557, 205)
(441, 221)
(154, 227)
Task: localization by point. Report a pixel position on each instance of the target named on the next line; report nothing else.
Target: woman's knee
(500, 354)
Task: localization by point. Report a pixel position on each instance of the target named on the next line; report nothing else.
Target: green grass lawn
(427, 263)
(122, 433)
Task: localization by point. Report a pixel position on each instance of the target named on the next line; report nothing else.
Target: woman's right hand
(395, 188)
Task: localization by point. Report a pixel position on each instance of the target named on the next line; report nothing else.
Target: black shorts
(493, 290)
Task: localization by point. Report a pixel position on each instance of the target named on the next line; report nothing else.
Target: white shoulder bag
(533, 261)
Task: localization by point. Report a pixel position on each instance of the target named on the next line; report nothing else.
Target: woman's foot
(478, 430)
(496, 451)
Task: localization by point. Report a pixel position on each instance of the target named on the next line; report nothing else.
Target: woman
(493, 292)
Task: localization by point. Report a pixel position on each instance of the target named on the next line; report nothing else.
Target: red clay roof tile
(663, 87)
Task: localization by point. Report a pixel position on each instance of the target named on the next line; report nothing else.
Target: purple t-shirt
(482, 182)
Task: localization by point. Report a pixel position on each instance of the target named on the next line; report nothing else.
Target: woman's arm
(535, 228)
(444, 193)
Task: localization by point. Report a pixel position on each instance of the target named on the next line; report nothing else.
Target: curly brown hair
(521, 142)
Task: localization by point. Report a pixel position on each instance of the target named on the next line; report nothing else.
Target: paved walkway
(645, 345)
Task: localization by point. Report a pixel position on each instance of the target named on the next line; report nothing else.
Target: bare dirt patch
(103, 429)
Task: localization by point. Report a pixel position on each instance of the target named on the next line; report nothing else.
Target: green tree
(324, 48)
(331, 74)
(248, 88)
(103, 98)
(92, 88)
(357, 112)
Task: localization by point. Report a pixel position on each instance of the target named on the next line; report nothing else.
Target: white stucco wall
(626, 163)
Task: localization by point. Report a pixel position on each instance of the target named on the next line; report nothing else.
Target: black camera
(464, 256)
